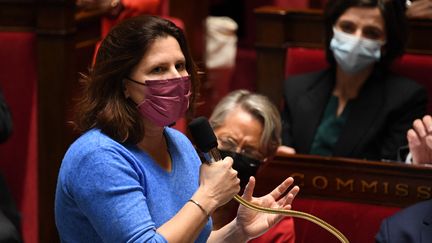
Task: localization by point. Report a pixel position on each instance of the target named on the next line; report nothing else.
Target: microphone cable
(206, 141)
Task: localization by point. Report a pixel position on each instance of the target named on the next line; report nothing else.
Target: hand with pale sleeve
(254, 224)
(420, 141)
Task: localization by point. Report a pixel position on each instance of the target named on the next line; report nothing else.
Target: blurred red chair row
(39, 65)
(18, 156)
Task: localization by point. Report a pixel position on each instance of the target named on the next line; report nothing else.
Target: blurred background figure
(248, 129)
(10, 223)
(220, 55)
(410, 225)
(413, 224)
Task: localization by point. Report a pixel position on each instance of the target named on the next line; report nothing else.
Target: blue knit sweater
(109, 192)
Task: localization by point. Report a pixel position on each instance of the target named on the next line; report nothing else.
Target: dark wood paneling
(420, 36)
(193, 14)
(55, 44)
(17, 16)
(380, 183)
(65, 45)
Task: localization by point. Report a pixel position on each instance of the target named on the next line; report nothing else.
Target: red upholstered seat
(358, 222)
(18, 156)
(302, 60)
(413, 66)
(418, 68)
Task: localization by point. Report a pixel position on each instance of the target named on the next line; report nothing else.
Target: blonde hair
(261, 108)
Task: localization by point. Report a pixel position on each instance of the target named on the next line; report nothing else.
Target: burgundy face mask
(165, 100)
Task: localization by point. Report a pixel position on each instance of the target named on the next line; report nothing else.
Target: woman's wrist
(232, 232)
(207, 202)
(238, 232)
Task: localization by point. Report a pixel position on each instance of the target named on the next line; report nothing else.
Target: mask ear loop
(125, 90)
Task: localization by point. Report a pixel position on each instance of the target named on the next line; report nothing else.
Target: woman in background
(248, 128)
(357, 107)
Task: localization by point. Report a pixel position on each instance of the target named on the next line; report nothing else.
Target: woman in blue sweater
(131, 178)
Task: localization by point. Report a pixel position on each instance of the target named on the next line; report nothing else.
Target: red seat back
(413, 66)
(18, 156)
(357, 221)
(418, 68)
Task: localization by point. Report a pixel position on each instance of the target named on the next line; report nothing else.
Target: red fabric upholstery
(358, 222)
(302, 60)
(281, 233)
(413, 66)
(418, 68)
(244, 73)
(18, 156)
(139, 7)
(291, 4)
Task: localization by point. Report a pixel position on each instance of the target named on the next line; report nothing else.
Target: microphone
(205, 139)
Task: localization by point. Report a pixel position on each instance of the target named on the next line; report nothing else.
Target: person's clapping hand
(420, 9)
(420, 141)
(254, 223)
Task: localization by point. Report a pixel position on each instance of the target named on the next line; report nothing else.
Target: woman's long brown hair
(103, 104)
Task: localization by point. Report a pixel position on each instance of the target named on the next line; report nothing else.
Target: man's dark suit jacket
(9, 216)
(376, 126)
(411, 225)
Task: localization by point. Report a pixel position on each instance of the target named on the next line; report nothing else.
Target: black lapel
(365, 110)
(308, 111)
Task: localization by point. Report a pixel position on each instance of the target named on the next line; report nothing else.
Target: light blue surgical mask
(353, 53)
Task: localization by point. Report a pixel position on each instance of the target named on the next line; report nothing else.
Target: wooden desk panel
(380, 183)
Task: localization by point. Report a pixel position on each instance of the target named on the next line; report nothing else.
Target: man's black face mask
(245, 166)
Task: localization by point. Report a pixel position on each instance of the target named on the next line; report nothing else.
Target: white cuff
(408, 159)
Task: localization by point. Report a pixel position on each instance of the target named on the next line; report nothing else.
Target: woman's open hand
(255, 223)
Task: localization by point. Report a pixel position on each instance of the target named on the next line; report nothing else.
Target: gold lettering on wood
(298, 179)
(320, 182)
(340, 183)
(401, 190)
(366, 186)
(353, 185)
(385, 187)
(424, 192)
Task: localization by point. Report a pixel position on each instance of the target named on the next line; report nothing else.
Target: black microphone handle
(212, 155)
(205, 139)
